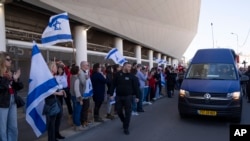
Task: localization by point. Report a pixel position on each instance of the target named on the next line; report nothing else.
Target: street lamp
(212, 34)
(237, 41)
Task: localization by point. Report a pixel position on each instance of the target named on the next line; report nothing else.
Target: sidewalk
(26, 132)
(65, 129)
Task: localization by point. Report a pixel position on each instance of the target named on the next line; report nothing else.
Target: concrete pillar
(175, 63)
(138, 54)
(159, 56)
(165, 59)
(118, 43)
(170, 61)
(2, 29)
(150, 58)
(81, 44)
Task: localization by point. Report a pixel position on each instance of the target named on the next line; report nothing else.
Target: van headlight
(183, 93)
(234, 95)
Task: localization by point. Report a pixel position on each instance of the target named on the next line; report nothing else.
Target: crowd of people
(125, 89)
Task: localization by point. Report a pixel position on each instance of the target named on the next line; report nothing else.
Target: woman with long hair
(98, 82)
(9, 85)
(109, 76)
(61, 78)
(53, 122)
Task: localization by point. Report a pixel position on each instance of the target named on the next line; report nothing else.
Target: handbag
(19, 101)
(52, 109)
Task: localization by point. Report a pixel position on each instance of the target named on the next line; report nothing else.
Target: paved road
(161, 122)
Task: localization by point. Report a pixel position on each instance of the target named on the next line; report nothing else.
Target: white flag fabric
(112, 101)
(160, 61)
(41, 85)
(116, 56)
(89, 89)
(58, 30)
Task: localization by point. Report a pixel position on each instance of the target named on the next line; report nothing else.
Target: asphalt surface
(160, 122)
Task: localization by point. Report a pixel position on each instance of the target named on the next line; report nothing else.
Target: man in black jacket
(248, 84)
(125, 86)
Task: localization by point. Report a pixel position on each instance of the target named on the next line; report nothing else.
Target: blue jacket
(98, 84)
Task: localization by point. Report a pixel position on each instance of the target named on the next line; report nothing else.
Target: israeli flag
(58, 30)
(116, 56)
(160, 61)
(89, 89)
(112, 101)
(41, 85)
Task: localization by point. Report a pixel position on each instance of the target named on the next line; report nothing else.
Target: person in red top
(9, 85)
(151, 84)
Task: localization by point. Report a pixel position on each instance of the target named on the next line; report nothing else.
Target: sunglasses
(8, 59)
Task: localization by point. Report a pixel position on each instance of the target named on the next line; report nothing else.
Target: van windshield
(212, 71)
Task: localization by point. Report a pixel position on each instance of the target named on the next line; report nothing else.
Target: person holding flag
(42, 87)
(86, 91)
(42, 84)
(54, 121)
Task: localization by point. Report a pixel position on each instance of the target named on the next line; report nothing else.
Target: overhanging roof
(167, 26)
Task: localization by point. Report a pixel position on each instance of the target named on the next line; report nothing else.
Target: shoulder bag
(52, 109)
(19, 101)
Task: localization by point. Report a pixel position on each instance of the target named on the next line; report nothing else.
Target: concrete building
(141, 30)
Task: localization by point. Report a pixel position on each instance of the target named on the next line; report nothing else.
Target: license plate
(207, 112)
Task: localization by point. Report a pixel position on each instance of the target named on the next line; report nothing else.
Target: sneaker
(85, 124)
(79, 128)
(126, 131)
(149, 103)
(99, 120)
(135, 113)
(109, 116)
(144, 102)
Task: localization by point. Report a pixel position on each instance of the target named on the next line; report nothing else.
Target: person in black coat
(98, 82)
(126, 85)
(248, 84)
(109, 77)
(171, 81)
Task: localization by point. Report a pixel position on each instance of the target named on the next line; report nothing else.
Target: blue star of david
(57, 25)
(116, 58)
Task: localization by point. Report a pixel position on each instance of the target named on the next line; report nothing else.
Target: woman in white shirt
(61, 78)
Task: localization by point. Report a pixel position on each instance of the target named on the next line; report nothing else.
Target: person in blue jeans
(142, 78)
(9, 85)
(76, 97)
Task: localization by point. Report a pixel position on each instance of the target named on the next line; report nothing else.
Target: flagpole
(74, 53)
